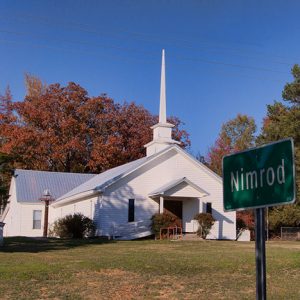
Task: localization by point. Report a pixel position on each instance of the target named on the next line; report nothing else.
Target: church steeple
(162, 103)
(162, 131)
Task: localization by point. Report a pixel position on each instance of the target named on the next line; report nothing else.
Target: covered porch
(181, 198)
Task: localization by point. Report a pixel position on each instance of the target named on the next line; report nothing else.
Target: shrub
(163, 220)
(284, 216)
(205, 222)
(248, 217)
(75, 226)
(245, 220)
(240, 225)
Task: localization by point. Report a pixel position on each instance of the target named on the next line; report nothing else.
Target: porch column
(161, 204)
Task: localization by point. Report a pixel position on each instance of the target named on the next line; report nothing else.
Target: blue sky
(222, 57)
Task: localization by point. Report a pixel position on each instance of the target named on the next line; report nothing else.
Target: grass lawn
(94, 269)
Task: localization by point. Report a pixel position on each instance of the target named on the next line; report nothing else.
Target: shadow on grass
(35, 245)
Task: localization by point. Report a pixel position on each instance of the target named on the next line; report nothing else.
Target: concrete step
(191, 237)
(134, 236)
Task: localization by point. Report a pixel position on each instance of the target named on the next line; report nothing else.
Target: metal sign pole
(260, 254)
(249, 178)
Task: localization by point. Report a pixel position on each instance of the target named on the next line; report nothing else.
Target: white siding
(183, 190)
(90, 208)
(138, 185)
(26, 219)
(111, 208)
(189, 209)
(19, 218)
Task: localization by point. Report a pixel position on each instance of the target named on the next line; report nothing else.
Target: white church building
(122, 200)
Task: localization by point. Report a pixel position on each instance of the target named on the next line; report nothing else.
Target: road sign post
(260, 254)
(259, 178)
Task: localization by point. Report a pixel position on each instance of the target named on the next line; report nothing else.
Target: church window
(37, 219)
(208, 208)
(131, 210)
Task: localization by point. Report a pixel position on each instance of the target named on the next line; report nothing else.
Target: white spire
(162, 103)
(162, 131)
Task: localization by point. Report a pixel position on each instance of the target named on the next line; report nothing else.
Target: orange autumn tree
(62, 128)
(236, 135)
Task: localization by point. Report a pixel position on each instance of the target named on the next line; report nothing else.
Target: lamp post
(47, 198)
(1, 233)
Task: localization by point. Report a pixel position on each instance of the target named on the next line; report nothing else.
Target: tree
(34, 86)
(178, 133)
(283, 121)
(6, 108)
(5, 174)
(201, 158)
(288, 215)
(236, 135)
(6, 119)
(291, 91)
(62, 128)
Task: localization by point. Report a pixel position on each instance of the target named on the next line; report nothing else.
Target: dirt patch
(120, 284)
(110, 284)
(115, 272)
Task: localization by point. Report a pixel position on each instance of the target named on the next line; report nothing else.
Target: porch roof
(181, 187)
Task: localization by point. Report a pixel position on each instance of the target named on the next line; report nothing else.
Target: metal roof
(105, 179)
(31, 184)
(102, 180)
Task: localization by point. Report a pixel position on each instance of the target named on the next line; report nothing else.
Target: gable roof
(100, 182)
(174, 183)
(31, 184)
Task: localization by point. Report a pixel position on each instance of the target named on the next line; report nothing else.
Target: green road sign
(259, 177)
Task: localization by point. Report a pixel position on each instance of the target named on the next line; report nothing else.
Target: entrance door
(174, 208)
